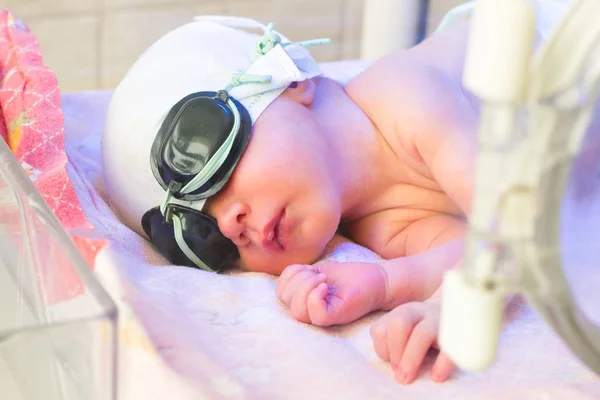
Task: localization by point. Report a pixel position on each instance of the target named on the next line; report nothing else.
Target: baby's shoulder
(405, 95)
(412, 96)
(435, 65)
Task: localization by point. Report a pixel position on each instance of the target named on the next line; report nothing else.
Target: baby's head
(271, 193)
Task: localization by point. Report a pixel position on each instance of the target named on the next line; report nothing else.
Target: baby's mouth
(279, 231)
(275, 240)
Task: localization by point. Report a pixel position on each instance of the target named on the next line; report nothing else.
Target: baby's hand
(332, 294)
(404, 336)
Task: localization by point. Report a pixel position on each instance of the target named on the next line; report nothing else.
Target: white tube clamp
(470, 323)
(499, 50)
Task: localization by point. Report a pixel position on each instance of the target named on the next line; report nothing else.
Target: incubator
(535, 113)
(58, 327)
(57, 324)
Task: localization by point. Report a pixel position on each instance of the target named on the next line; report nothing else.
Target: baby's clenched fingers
(287, 291)
(319, 309)
(289, 272)
(299, 304)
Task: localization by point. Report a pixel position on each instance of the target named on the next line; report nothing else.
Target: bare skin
(388, 159)
(428, 124)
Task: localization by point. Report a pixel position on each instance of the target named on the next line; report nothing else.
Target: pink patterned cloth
(31, 122)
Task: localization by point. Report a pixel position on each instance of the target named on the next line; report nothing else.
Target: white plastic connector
(388, 26)
(470, 323)
(562, 57)
(499, 50)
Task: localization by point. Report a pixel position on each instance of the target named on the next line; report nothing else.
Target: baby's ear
(302, 92)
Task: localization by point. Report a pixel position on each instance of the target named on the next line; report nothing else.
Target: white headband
(210, 54)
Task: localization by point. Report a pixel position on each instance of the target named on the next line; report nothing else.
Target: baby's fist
(332, 294)
(296, 285)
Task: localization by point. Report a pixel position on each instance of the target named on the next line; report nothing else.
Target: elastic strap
(184, 246)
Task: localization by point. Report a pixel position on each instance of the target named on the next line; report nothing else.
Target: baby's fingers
(442, 368)
(421, 339)
(390, 333)
(299, 305)
(289, 282)
(379, 334)
(322, 307)
(286, 275)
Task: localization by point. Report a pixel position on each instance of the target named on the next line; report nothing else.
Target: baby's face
(280, 206)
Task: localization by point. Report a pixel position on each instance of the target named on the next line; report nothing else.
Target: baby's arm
(420, 95)
(338, 293)
(447, 155)
(416, 278)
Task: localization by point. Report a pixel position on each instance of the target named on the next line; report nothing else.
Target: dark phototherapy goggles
(193, 155)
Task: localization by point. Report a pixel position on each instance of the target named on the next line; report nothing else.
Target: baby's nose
(232, 223)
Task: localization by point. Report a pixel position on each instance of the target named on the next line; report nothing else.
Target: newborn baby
(385, 161)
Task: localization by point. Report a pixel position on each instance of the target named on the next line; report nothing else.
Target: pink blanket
(31, 122)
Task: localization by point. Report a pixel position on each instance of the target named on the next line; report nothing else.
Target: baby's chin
(275, 265)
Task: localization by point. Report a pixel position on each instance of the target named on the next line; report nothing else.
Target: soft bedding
(229, 337)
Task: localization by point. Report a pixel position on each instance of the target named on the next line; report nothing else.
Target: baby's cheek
(323, 231)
